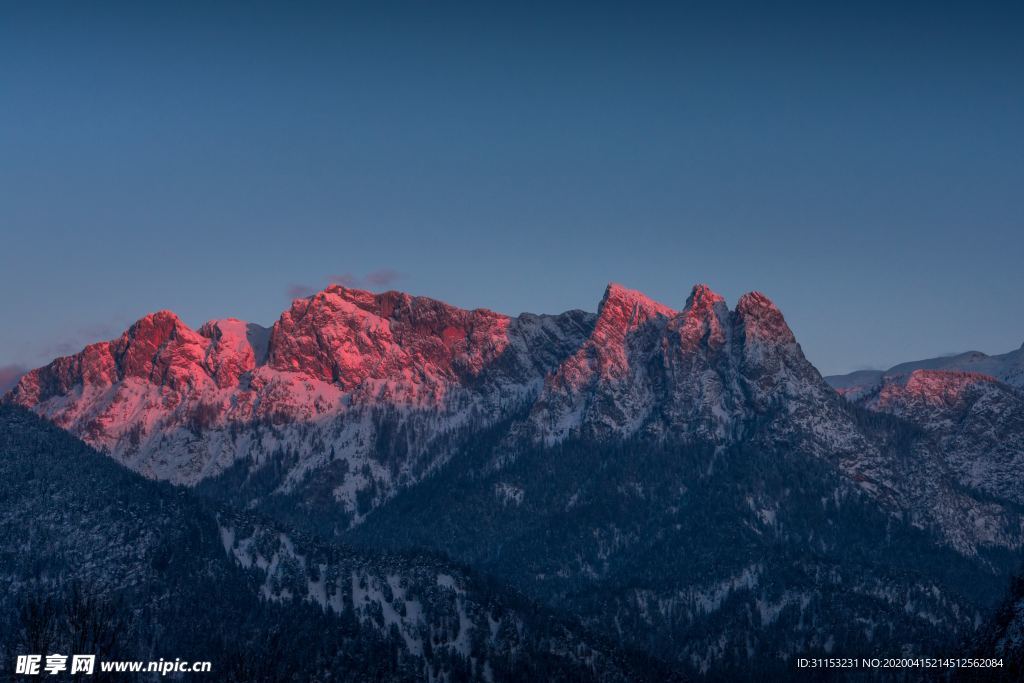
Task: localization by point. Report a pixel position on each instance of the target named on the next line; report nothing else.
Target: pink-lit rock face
(762, 320)
(336, 341)
(182, 404)
(1007, 368)
(694, 374)
(158, 349)
(230, 353)
(347, 336)
(639, 366)
(936, 388)
(771, 360)
(387, 383)
(704, 321)
(606, 355)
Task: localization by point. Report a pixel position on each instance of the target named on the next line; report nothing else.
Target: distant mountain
(679, 481)
(977, 423)
(159, 572)
(1007, 368)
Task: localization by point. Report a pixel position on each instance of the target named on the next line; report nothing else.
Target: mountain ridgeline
(678, 482)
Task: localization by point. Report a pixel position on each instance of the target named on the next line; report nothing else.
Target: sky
(860, 163)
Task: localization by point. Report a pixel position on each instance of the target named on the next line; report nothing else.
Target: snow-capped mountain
(708, 375)
(679, 479)
(976, 422)
(701, 373)
(351, 396)
(1006, 367)
(324, 384)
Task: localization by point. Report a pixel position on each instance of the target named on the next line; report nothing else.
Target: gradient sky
(862, 164)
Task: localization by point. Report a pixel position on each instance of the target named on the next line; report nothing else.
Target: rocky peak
(627, 308)
(761, 320)
(346, 336)
(161, 349)
(702, 298)
(704, 319)
(232, 352)
(158, 348)
(622, 315)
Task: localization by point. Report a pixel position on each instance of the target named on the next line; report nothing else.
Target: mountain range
(681, 482)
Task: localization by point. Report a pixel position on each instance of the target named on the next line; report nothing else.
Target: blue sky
(861, 163)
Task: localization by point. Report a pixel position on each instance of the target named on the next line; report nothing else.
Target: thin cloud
(385, 277)
(83, 336)
(345, 280)
(377, 279)
(300, 291)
